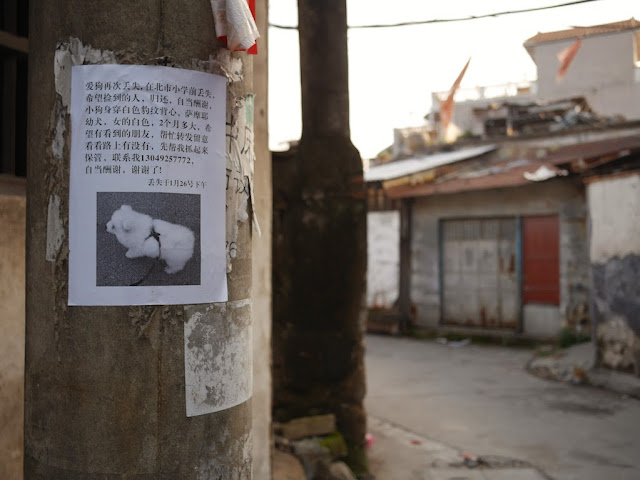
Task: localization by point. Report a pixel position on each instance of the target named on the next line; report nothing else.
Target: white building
(605, 72)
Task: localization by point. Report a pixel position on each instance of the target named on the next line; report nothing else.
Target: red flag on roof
(446, 107)
(565, 57)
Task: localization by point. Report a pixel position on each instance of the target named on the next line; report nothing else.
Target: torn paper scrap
(544, 173)
(235, 24)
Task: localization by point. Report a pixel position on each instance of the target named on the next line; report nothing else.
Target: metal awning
(402, 168)
(515, 167)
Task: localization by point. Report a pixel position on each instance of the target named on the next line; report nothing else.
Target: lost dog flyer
(147, 186)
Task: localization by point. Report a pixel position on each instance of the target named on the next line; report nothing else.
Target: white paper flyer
(147, 186)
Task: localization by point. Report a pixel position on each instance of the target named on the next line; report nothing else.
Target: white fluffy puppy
(145, 237)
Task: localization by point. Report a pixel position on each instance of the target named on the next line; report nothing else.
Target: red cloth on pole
(565, 57)
(253, 50)
(446, 108)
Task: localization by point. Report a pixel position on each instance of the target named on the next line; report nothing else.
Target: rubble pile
(310, 448)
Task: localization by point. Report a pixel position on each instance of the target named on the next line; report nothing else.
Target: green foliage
(568, 336)
(357, 461)
(336, 444)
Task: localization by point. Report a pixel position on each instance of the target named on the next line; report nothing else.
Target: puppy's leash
(155, 235)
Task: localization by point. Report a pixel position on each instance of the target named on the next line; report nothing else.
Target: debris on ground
(369, 440)
(469, 460)
(453, 343)
(569, 365)
(310, 448)
(460, 343)
(577, 365)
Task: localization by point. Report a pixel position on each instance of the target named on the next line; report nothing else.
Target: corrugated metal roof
(510, 171)
(576, 32)
(402, 168)
(583, 155)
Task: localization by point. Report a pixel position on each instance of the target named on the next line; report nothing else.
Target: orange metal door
(540, 258)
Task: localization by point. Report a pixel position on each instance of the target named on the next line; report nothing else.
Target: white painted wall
(619, 234)
(603, 71)
(383, 247)
(614, 216)
(541, 320)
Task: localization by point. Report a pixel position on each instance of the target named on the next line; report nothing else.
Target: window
(13, 87)
(636, 49)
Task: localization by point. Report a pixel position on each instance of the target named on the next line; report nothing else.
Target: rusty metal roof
(581, 32)
(409, 166)
(582, 156)
(506, 166)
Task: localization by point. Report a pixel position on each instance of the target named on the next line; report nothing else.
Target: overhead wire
(448, 20)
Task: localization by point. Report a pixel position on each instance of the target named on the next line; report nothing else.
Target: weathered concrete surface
(605, 57)
(105, 386)
(572, 365)
(614, 210)
(383, 258)
(554, 197)
(340, 471)
(261, 260)
(577, 365)
(319, 264)
(615, 217)
(616, 298)
(287, 467)
(320, 242)
(398, 452)
(309, 426)
(12, 245)
(481, 400)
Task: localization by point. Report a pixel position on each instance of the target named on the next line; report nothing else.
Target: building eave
(507, 166)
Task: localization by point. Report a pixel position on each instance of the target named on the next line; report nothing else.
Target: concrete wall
(603, 71)
(554, 197)
(383, 253)
(12, 248)
(470, 116)
(614, 250)
(261, 262)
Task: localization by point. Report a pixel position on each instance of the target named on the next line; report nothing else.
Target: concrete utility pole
(105, 386)
(320, 242)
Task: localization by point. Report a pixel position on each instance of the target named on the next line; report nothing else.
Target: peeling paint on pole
(55, 229)
(218, 367)
(239, 147)
(218, 344)
(218, 356)
(240, 161)
(75, 53)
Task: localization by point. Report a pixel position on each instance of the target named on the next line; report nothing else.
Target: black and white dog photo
(148, 239)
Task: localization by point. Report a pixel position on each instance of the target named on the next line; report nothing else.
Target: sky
(393, 71)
